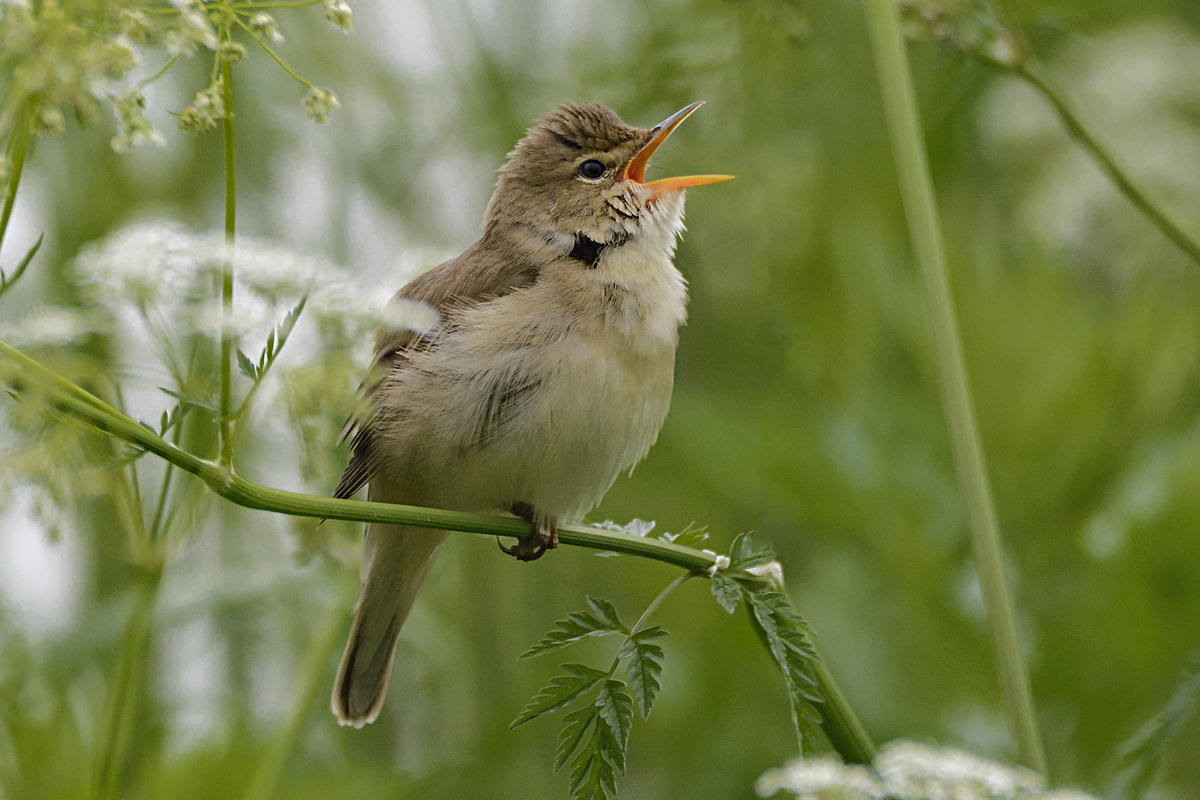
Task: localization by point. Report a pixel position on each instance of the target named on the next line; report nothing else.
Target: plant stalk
(226, 434)
(916, 188)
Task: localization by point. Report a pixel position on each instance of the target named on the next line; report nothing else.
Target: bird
(548, 373)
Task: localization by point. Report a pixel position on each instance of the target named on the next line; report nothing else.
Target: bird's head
(580, 171)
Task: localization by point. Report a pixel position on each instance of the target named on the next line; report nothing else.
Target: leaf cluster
(594, 737)
(781, 628)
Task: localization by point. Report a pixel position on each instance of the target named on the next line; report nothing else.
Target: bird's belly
(551, 425)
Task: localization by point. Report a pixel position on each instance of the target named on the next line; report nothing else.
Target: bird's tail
(396, 560)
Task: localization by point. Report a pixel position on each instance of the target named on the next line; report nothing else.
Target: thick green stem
(51, 387)
(840, 723)
(916, 186)
(226, 438)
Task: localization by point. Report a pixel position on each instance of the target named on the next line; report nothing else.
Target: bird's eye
(592, 169)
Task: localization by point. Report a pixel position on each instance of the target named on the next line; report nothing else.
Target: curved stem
(224, 482)
(916, 187)
(1105, 160)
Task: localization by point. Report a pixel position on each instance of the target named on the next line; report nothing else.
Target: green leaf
(642, 659)
(594, 768)
(246, 366)
(744, 554)
(574, 729)
(8, 281)
(601, 621)
(560, 691)
(787, 637)
(1143, 752)
(606, 613)
(211, 405)
(727, 591)
(616, 709)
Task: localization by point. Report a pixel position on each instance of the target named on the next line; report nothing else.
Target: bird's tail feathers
(396, 561)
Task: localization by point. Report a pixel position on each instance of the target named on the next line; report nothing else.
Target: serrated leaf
(642, 659)
(593, 777)
(601, 621)
(744, 554)
(560, 691)
(606, 613)
(688, 537)
(616, 710)
(727, 591)
(786, 636)
(246, 366)
(574, 729)
(594, 768)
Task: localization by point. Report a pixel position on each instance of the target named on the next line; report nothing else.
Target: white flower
(264, 27)
(339, 14)
(319, 104)
(52, 326)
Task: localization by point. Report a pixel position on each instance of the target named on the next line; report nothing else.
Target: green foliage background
(806, 406)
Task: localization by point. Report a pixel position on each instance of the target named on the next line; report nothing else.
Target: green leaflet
(601, 620)
(560, 691)
(641, 657)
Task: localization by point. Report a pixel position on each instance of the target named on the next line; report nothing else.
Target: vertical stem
(226, 436)
(916, 186)
(125, 692)
(18, 148)
(311, 679)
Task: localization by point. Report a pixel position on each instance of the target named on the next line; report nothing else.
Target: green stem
(226, 435)
(124, 694)
(18, 148)
(312, 677)
(1106, 161)
(52, 387)
(916, 186)
(278, 59)
(839, 721)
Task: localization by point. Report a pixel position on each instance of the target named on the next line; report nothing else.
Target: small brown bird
(548, 374)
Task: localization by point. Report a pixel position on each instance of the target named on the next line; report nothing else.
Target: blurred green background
(806, 409)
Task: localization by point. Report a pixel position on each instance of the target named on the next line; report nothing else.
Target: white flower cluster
(910, 771)
(164, 266)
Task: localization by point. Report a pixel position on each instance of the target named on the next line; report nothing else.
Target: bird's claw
(543, 537)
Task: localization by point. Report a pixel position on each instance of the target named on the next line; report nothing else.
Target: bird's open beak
(635, 170)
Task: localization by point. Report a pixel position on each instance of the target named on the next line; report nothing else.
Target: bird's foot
(543, 537)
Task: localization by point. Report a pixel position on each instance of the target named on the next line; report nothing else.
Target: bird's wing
(480, 274)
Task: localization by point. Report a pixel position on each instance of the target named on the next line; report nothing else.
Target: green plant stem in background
(839, 721)
(310, 678)
(18, 149)
(1104, 159)
(125, 691)
(227, 344)
(916, 187)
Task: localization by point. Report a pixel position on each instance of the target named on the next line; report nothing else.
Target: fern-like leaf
(574, 729)
(560, 691)
(642, 659)
(787, 637)
(601, 620)
(727, 591)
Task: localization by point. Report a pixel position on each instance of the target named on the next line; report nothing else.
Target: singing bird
(548, 374)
